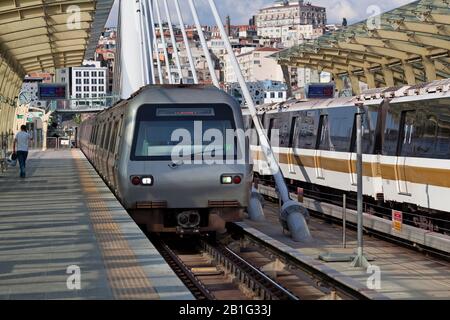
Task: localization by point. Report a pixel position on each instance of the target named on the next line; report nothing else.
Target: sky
(242, 10)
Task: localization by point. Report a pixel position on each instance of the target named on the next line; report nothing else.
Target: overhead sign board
(319, 91)
(52, 91)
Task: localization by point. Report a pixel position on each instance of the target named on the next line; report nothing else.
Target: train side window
(292, 131)
(391, 131)
(340, 123)
(112, 145)
(431, 138)
(307, 132)
(324, 142)
(369, 129)
(102, 137)
(254, 135)
(407, 134)
(271, 127)
(108, 137)
(92, 134)
(279, 131)
(97, 132)
(369, 124)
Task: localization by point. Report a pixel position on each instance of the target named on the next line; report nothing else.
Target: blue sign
(319, 91)
(52, 91)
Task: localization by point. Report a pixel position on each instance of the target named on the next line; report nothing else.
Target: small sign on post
(397, 220)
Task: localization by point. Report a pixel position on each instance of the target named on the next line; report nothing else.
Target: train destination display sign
(52, 91)
(319, 91)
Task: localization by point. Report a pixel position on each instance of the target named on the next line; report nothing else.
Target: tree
(77, 119)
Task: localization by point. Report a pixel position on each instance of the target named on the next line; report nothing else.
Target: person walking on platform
(21, 142)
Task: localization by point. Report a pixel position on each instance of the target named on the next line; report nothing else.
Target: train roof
(431, 90)
(179, 94)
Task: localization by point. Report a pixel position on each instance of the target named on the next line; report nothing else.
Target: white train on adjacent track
(406, 146)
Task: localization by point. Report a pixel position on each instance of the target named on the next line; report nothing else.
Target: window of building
(272, 95)
(78, 88)
(280, 95)
(101, 81)
(86, 95)
(101, 88)
(86, 81)
(78, 81)
(86, 73)
(101, 74)
(86, 88)
(78, 73)
(94, 73)
(94, 81)
(94, 89)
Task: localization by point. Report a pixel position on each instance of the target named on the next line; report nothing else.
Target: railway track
(428, 251)
(246, 269)
(212, 271)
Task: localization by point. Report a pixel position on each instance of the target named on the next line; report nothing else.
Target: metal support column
(360, 260)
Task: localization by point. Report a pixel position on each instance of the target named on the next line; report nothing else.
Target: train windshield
(179, 132)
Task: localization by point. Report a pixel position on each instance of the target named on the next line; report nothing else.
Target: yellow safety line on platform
(126, 277)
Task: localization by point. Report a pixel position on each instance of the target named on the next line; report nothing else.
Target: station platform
(405, 273)
(62, 221)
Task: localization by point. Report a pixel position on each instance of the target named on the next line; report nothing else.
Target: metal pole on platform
(360, 260)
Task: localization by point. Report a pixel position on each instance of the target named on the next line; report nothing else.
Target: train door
(115, 151)
(405, 148)
(106, 153)
(291, 150)
(109, 156)
(323, 137)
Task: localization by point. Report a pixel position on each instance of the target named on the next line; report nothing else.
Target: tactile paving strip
(126, 277)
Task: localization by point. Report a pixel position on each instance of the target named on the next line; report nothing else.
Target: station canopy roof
(411, 44)
(37, 35)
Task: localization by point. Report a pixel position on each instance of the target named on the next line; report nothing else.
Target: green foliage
(77, 119)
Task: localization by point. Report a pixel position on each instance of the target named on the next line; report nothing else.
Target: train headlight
(227, 179)
(231, 179)
(147, 181)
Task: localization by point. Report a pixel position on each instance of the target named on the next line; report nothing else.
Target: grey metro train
(133, 147)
